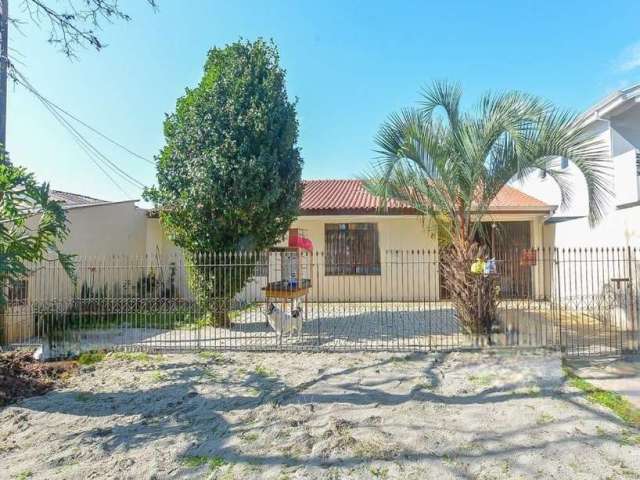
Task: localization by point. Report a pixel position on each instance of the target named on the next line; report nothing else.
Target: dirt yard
(317, 416)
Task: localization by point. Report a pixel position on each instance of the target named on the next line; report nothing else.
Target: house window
(638, 162)
(351, 249)
(17, 293)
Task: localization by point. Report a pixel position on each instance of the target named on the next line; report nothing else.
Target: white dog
(282, 322)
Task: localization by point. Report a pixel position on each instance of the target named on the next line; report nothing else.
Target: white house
(616, 122)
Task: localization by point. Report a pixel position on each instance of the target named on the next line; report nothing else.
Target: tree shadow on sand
(178, 406)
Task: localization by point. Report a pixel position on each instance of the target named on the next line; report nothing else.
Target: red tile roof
(325, 197)
(68, 199)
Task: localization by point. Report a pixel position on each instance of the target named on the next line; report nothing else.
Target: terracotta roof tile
(72, 199)
(349, 196)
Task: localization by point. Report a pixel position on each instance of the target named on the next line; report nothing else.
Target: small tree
(32, 226)
(450, 169)
(229, 174)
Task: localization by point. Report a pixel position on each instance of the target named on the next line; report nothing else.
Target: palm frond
(446, 95)
(458, 166)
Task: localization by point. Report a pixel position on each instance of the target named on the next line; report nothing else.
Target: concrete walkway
(613, 374)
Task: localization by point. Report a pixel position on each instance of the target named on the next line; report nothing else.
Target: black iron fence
(583, 301)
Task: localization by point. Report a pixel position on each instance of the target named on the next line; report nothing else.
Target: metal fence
(583, 301)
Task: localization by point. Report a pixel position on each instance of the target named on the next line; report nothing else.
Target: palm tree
(450, 166)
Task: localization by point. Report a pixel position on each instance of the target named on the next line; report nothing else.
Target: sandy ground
(317, 416)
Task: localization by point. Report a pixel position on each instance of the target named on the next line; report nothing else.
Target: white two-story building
(616, 122)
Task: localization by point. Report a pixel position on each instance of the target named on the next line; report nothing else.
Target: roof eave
(543, 210)
(98, 204)
(606, 107)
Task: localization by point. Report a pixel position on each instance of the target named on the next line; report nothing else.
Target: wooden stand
(287, 297)
(290, 270)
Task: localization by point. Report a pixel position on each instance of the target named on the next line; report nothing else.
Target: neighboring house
(101, 229)
(99, 232)
(616, 123)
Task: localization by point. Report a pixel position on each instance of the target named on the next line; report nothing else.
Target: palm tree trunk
(474, 296)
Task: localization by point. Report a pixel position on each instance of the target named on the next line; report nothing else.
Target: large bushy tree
(450, 166)
(229, 174)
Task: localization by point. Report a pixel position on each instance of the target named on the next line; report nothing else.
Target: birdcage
(290, 269)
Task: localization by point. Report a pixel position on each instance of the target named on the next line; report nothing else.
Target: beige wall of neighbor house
(107, 236)
(105, 230)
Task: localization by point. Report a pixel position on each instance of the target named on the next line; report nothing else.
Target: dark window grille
(18, 292)
(638, 162)
(352, 249)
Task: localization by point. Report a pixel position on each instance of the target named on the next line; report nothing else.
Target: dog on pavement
(284, 323)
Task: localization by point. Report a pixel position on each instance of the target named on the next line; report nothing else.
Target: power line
(87, 151)
(79, 136)
(32, 89)
(95, 155)
(97, 132)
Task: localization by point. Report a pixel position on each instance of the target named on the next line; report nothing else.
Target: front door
(506, 241)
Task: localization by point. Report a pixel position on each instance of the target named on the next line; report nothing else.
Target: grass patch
(134, 357)
(545, 419)
(162, 320)
(194, 461)
(423, 385)
(216, 462)
(629, 438)
(611, 400)
(379, 472)
(89, 358)
(159, 377)
(211, 356)
(197, 461)
(402, 359)
(201, 322)
(211, 375)
(254, 391)
(263, 371)
(24, 475)
(373, 449)
(482, 380)
(250, 437)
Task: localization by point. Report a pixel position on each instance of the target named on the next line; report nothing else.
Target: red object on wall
(528, 258)
(297, 239)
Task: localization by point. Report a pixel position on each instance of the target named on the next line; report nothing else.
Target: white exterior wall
(620, 225)
(625, 140)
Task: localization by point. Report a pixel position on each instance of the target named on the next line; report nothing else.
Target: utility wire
(56, 115)
(84, 124)
(84, 141)
(97, 132)
(96, 156)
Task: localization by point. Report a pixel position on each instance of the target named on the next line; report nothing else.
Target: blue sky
(350, 63)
